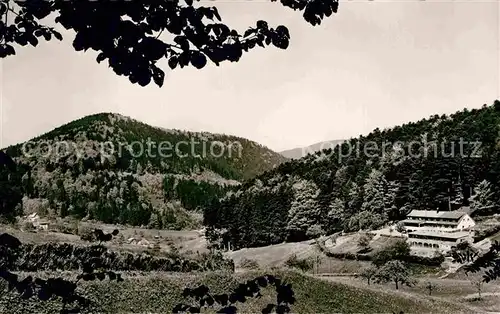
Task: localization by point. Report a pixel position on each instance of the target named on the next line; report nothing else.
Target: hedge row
(428, 261)
(348, 255)
(483, 234)
(415, 259)
(64, 256)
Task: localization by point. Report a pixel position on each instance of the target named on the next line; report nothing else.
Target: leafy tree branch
(127, 33)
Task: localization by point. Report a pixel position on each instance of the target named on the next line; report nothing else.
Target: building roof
(466, 209)
(436, 214)
(445, 235)
(423, 222)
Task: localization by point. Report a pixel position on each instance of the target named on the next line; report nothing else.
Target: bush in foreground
(227, 302)
(249, 264)
(64, 256)
(301, 264)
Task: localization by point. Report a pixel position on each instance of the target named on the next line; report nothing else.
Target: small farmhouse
(43, 224)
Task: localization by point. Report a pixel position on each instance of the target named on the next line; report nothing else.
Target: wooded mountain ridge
(435, 163)
(116, 169)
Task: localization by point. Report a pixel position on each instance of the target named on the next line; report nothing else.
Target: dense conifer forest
(113, 169)
(442, 162)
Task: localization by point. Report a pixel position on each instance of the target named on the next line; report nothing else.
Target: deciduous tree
(430, 287)
(128, 34)
(369, 274)
(397, 272)
(363, 242)
(478, 284)
(464, 253)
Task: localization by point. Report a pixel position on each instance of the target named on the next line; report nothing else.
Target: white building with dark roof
(438, 230)
(434, 221)
(438, 240)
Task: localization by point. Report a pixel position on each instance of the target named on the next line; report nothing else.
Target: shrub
(120, 239)
(173, 248)
(397, 251)
(483, 234)
(67, 228)
(364, 243)
(28, 226)
(349, 255)
(64, 256)
(302, 264)
(428, 261)
(249, 263)
(85, 233)
(156, 249)
(400, 227)
(202, 299)
(97, 235)
(314, 231)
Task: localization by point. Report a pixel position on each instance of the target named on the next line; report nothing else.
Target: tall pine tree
(304, 210)
(374, 192)
(483, 196)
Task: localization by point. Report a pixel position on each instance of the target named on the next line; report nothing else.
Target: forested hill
(418, 165)
(299, 152)
(116, 169)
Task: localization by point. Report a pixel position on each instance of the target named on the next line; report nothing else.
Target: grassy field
(461, 292)
(183, 241)
(159, 293)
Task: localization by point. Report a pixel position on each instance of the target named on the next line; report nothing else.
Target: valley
(331, 223)
(330, 283)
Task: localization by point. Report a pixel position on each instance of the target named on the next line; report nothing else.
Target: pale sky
(374, 64)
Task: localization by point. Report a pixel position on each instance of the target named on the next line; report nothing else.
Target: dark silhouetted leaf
(57, 35)
(198, 60)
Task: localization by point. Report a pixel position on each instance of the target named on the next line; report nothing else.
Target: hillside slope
(118, 170)
(159, 293)
(368, 181)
